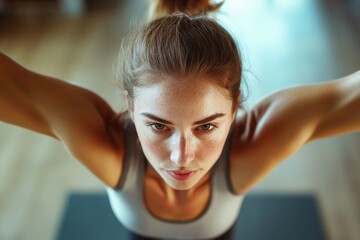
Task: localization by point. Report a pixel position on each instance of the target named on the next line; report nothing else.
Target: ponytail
(160, 8)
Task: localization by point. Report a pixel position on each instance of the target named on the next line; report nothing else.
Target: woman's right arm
(80, 119)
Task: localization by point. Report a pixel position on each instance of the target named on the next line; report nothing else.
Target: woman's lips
(181, 175)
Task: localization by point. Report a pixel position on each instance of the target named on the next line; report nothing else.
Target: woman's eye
(158, 127)
(207, 127)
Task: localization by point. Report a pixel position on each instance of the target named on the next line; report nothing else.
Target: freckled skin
(182, 145)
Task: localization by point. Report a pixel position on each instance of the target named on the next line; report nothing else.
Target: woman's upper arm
(282, 123)
(80, 119)
(292, 117)
(343, 115)
(94, 136)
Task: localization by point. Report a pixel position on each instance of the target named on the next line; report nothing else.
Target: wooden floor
(283, 43)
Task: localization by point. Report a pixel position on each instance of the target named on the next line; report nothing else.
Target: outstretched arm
(305, 113)
(283, 122)
(78, 118)
(343, 115)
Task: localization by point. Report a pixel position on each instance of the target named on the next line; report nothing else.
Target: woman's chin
(182, 186)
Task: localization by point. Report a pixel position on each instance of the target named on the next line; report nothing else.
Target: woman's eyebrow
(202, 121)
(156, 118)
(209, 118)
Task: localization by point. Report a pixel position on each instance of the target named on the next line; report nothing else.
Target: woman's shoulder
(101, 149)
(120, 121)
(245, 125)
(249, 157)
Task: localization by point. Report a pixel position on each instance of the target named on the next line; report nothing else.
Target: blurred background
(283, 42)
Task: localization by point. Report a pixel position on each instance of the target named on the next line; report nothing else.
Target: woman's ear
(126, 96)
(129, 104)
(236, 108)
(234, 115)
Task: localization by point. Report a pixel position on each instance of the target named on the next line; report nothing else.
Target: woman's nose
(182, 150)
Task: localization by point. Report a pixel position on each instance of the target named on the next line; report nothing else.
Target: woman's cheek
(153, 146)
(213, 148)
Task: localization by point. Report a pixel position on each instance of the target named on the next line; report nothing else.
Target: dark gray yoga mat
(263, 216)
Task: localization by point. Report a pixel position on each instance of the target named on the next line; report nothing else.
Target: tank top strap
(222, 167)
(131, 158)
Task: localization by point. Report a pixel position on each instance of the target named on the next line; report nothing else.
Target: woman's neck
(173, 195)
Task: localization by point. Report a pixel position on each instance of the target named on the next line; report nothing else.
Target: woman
(178, 163)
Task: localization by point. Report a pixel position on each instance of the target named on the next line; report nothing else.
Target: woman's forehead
(191, 97)
(196, 86)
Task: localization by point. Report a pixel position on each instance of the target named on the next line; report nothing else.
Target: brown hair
(160, 8)
(184, 46)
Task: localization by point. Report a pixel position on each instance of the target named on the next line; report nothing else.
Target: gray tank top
(127, 200)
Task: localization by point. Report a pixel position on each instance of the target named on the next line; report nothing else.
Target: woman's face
(182, 126)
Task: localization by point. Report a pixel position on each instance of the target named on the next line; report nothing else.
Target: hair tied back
(160, 8)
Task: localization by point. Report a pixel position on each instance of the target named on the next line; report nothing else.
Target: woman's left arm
(304, 113)
(282, 123)
(342, 107)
